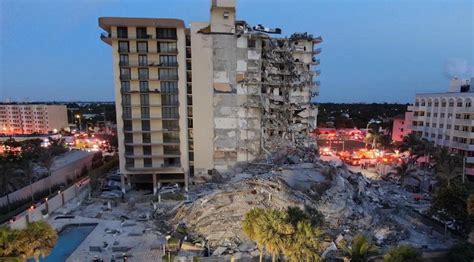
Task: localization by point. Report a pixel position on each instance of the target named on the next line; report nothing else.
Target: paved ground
(136, 233)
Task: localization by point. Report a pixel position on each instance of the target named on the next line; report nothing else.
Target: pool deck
(144, 241)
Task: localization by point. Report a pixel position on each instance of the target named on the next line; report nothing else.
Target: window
(446, 137)
(171, 137)
(441, 125)
(126, 100)
(442, 115)
(443, 104)
(251, 43)
(190, 123)
(127, 112)
(450, 115)
(127, 125)
(146, 125)
(125, 73)
(146, 138)
(456, 127)
(144, 86)
(170, 112)
(465, 128)
(468, 104)
(142, 60)
(123, 60)
(170, 124)
(129, 150)
(142, 47)
(125, 86)
(141, 33)
(440, 136)
(166, 33)
(147, 162)
(122, 32)
(169, 100)
(168, 74)
(448, 126)
(433, 124)
(129, 162)
(128, 137)
(451, 103)
(435, 114)
(144, 99)
(188, 40)
(168, 60)
(171, 150)
(188, 65)
(428, 114)
(145, 112)
(459, 104)
(458, 116)
(143, 73)
(147, 150)
(436, 104)
(429, 103)
(174, 161)
(466, 116)
(164, 47)
(123, 47)
(169, 87)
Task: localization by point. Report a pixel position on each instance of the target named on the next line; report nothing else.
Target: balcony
(125, 77)
(151, 144)
(106, 37)
(317, 40)
(464, 122)
(317, 51)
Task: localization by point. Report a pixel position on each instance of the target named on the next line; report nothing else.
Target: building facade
(235, 90)
(31, 118)
(447, 119)
(401, 126)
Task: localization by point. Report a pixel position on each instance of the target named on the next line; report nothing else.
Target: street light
(80, 122)
(372, 121)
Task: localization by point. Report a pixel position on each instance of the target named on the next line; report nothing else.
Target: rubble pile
(216, 216)
(351, 204)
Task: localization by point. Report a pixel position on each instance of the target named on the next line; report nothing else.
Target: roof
(107, 22)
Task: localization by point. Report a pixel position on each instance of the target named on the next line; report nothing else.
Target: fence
(42, 211)
(58, 177)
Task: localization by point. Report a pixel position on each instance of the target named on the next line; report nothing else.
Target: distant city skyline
(373, 51)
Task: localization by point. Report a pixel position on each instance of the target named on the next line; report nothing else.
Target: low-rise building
(31, 118)
(447, 119)
(401, 126)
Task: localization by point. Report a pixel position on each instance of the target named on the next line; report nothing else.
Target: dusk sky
(373, 51)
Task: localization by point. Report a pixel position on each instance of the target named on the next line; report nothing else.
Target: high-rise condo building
(195, 101)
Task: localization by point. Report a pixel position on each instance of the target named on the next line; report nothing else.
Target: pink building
(401, 126)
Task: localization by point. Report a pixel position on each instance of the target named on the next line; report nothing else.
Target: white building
(447, 119)
(29, 118)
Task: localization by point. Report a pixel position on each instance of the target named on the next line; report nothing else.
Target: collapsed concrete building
(262, 89)
(193, 101)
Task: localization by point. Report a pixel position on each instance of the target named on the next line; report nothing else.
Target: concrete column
(155, 182)
(186, 181)
(122, 182)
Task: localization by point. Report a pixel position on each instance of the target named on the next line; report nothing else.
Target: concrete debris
(351, 204)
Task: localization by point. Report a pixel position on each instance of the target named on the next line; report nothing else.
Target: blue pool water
(70, 237)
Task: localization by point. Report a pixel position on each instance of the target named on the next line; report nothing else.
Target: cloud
(458, 67)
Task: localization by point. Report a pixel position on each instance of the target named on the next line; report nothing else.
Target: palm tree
(403, 253)
(250, 226)
(274, 231)
(47, 160)
(410, 143)
(403, 170)
(372, 137)
(360, 249)
(28, 169)
(304, 244)
(450, 168)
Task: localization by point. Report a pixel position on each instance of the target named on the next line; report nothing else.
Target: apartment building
(401, 126)
(232, 90)
(447, 119)
(29, 118)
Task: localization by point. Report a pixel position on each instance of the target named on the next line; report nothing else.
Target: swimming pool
(70, 237)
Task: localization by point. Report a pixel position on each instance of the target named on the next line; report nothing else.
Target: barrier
(50, 205)
(58, 176)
